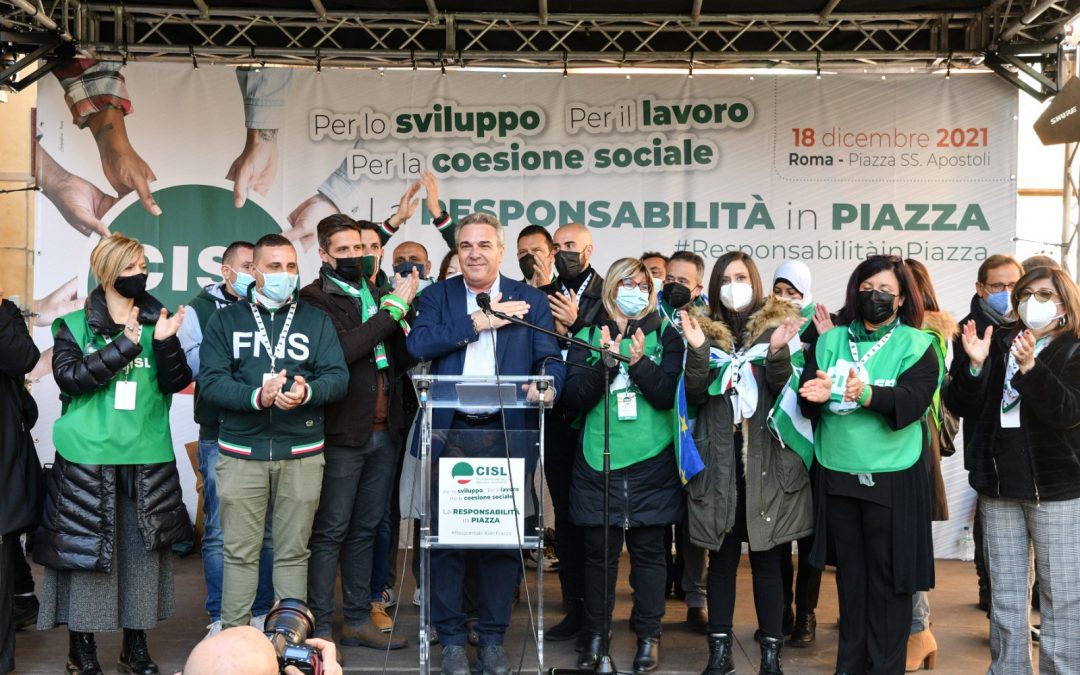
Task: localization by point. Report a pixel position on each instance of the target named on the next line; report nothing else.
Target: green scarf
(390, 302)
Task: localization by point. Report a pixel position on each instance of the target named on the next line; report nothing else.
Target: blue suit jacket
(443, 330)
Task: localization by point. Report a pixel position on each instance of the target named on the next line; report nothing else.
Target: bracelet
(865, 395)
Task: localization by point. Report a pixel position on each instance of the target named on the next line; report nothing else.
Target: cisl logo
(462, 473)
(184, 244)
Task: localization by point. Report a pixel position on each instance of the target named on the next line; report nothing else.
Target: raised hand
(406, 206)
(563, 309)
(131, 326)
(637, 346)
(431, 193)
(405, 286)
(975, 347)
(785, 333)
(818, 389)
(1023, 348)
(271, 388)
(695, 337)
(167, 326)
(256, 166)
(822, 319)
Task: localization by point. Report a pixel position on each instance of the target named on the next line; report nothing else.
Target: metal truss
(1010, 36)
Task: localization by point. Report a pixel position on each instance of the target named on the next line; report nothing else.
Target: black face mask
(676, 295)
(131, 287)
(875, 306)
(527, 263)
(568, 265)
(350, 269)
(405, 269)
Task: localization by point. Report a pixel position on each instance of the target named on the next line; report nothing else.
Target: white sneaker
(213, 629)
(416, 597)
(259, 622)
(389, 597)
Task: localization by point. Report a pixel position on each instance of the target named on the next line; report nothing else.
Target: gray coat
(779, 506)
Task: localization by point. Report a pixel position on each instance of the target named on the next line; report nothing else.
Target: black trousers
(807, 585)
(9, 550)
(560, 448)
(648, 574)
(874, 619)
(765, 570)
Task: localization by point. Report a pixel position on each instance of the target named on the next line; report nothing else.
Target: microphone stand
(604, 665)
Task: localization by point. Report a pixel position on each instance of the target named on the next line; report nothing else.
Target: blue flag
(686, 452)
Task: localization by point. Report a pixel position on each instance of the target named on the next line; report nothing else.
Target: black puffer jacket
(20, 472)
(1040, 459)
(645, 493)
(79, 516)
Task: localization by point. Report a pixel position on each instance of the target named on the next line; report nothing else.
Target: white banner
(826, 171)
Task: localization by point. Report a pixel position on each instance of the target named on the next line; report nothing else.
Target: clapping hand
(287, 400)
(167, 326)
(405, 286)
(563, 309)
(822, 319)
(818, 389)
(1023, 348)
(271, 388)
(853, 390)
(785, 333)
(695, 337)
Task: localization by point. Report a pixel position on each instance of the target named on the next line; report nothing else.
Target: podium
(476, 475)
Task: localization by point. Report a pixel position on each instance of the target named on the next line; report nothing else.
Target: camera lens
(291, 618)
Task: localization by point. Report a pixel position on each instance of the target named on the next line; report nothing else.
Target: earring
(1061, 320)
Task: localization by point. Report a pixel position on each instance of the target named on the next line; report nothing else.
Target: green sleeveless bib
(91, 431)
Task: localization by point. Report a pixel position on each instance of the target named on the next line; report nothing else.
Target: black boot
(570, 626)
(720, 659)
(82, 654)
(770, 656)
(135, 655)
(647, 657)
(805, 631)
(592, 651)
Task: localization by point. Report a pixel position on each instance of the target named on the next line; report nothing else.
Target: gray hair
(482, 219)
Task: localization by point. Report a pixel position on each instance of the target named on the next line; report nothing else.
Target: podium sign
(481, 501)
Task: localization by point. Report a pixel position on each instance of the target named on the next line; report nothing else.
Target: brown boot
(921, 651)
(368, 635)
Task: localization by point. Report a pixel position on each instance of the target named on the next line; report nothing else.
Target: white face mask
(1035, 314)
(736, 296)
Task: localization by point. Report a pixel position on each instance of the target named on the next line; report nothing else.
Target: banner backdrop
(826, 171)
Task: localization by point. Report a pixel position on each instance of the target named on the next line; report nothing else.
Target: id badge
(125, 395)
(268, 376)
(1010, 419)
(627, 406)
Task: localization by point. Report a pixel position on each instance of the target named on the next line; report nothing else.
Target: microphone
(484, 302)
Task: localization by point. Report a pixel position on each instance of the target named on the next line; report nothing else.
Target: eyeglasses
(1041, 295)
(629, 285)
(997, 288)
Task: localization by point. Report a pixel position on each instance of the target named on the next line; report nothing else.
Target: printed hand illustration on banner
(58, 303)
(125, 170)
(43, 366)
(256, 167)
(78, 200)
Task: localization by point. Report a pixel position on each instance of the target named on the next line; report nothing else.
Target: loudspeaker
(1060, 122)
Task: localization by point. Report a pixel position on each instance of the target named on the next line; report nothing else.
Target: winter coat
(779, 505)
(79, 515)
(944, 329)
(647, 492)
(20, 471)
(349, 419)
(1049, 422)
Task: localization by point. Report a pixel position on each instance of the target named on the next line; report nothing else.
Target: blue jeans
(212, 543)
(380, 563)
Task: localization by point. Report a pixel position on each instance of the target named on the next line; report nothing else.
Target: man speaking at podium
(459, 338)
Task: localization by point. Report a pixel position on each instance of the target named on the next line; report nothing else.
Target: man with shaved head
(576, 302)
(246, 651)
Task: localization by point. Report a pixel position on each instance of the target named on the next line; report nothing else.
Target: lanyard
(265, 339)
(584, 284)
(860, 363)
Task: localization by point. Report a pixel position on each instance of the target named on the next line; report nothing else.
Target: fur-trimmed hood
(942, 324)
(771, 315)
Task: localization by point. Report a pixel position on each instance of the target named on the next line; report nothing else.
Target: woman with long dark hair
(753, 489)
(1021, 394)
(867, 384)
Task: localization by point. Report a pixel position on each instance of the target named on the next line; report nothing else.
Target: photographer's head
(240, 651)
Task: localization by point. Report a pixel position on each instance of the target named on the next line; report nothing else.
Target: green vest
(632, 441)
(861, 441)
(91, 431)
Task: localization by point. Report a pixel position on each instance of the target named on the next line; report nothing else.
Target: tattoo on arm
(268, 134)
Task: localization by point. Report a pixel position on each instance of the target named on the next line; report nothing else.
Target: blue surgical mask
(242, 283)
(279, 286)
(406, 268)
(1000, 302)
(631, 301)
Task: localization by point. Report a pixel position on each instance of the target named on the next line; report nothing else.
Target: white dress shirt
(480, 355)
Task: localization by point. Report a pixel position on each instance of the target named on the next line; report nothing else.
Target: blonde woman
(113, 504)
